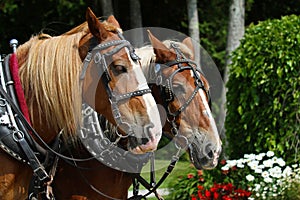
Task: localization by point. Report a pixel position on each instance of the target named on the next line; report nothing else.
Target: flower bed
(262, 176)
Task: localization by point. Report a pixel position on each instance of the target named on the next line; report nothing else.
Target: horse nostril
(144, 140)
(209, 152)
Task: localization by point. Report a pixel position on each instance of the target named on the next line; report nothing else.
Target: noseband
(100, 61)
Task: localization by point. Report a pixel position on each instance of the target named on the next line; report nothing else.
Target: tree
(236, 30)
(193, 24)
(136, 21)
(106, 7)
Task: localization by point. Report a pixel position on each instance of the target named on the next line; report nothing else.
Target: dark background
(21, 19)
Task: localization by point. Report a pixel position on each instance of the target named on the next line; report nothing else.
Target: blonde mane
(50, 78)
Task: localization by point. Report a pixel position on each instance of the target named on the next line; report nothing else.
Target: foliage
(263, 107)
(261, 176)
(185, 185)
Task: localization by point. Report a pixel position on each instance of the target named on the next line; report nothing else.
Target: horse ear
(111, 19)
(163, 54)
(96, 27)
(189, 43)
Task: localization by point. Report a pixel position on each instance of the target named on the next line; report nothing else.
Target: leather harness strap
(15, 136)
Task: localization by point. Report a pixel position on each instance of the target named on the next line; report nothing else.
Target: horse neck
(49, 71)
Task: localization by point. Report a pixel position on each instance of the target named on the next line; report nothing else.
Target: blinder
(166, 84)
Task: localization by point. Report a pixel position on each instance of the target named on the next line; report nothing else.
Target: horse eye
(178, 88)
(120, 69)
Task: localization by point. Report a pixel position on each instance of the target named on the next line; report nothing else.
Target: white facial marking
(151, 106)
(208, 112)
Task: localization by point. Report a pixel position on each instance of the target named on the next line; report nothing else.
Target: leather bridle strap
(100, 60)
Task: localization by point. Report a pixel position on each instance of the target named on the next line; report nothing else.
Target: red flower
(207, 193)
(242, 193)
(233, 168)
(200, 173)
(193, 197)
(223, 162)
(200, 187)
(228, 187)
(189, 176)
(216, 195)
(225, 172)
(226, 198)
(201, 179)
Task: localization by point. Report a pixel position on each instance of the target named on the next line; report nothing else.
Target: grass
(181, 169)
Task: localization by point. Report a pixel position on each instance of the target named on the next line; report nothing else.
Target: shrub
(263, 98)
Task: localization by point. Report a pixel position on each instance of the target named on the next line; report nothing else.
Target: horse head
(114, 84)
(184, 92)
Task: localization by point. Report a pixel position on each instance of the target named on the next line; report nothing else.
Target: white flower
(268, 163)
(265, 174)
(231, 163)
(275, 172)
(260, 166)
(253, 164)
(240, 165)
(262, 154)
(294, 165)
(249, 177)
(281, 162)
(259, 157)
(268, 180)
(250, 156)
(287, 171)
(258, 171)
(274, 159)
(225, 168)
(257, 187)
(270, 153)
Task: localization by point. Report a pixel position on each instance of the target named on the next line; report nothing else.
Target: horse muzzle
(205, 157)
(144, 139)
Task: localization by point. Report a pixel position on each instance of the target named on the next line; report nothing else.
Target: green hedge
(263, 99)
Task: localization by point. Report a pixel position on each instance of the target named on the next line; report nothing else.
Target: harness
(16, 133)
(166, 90)
(16, 138)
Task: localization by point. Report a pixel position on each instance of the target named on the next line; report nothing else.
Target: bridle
(100, 61)
(166, 90)
(166, 84)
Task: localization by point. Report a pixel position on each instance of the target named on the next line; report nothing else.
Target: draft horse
(181, 87)
(91, 63)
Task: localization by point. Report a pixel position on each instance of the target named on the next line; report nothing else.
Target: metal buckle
(41, 173)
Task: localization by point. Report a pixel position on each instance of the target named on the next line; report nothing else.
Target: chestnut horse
(181, 87)
(190, 122)
(92, 62)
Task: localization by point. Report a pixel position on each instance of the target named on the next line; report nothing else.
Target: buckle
(41, 173)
